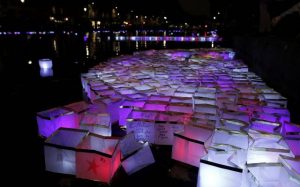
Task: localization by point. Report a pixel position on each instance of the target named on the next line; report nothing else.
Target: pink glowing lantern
(135, 155)
(189, 146)
(78, 108)
(155, 106)
(50, 120)
(60, 150)
(97, 158)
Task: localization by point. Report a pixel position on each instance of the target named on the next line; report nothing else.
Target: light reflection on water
(85, 49)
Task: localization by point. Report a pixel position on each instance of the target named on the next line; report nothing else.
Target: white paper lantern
(45, 63)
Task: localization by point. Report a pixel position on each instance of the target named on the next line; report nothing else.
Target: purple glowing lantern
(125, 108)
(50, 120)
(78, 108)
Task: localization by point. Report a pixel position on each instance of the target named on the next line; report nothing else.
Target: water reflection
(85, 48)
(46, 72)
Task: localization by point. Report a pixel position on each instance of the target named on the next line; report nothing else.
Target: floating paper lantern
(96, 123)
(234, 139)
(79, 108)
(189, 146)
(45, 63)
(216, 170)
(265, 126)
(281, 174)
(60, 150)
(125, 108)
(135, 155)
(50, 120)
(97, 158)
(266, 148)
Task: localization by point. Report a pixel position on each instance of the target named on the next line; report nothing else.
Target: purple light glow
(168, 38)
(50, 120)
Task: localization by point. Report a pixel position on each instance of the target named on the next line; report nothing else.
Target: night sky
(178, 10)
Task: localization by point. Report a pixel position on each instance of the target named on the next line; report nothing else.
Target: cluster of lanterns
(215, 114)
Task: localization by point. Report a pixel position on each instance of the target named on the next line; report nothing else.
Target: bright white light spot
(214, 17)
(98, 22)
(85, 9)
(22, 1)
(145, 17)
(29, 62)
(51, 18)
(67, 19)
(136, 16)
(93, 3)
(165, 17)
(219, 13)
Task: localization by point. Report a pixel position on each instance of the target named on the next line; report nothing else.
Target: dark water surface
(27, 92)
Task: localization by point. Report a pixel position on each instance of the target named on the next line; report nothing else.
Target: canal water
(28, 90)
